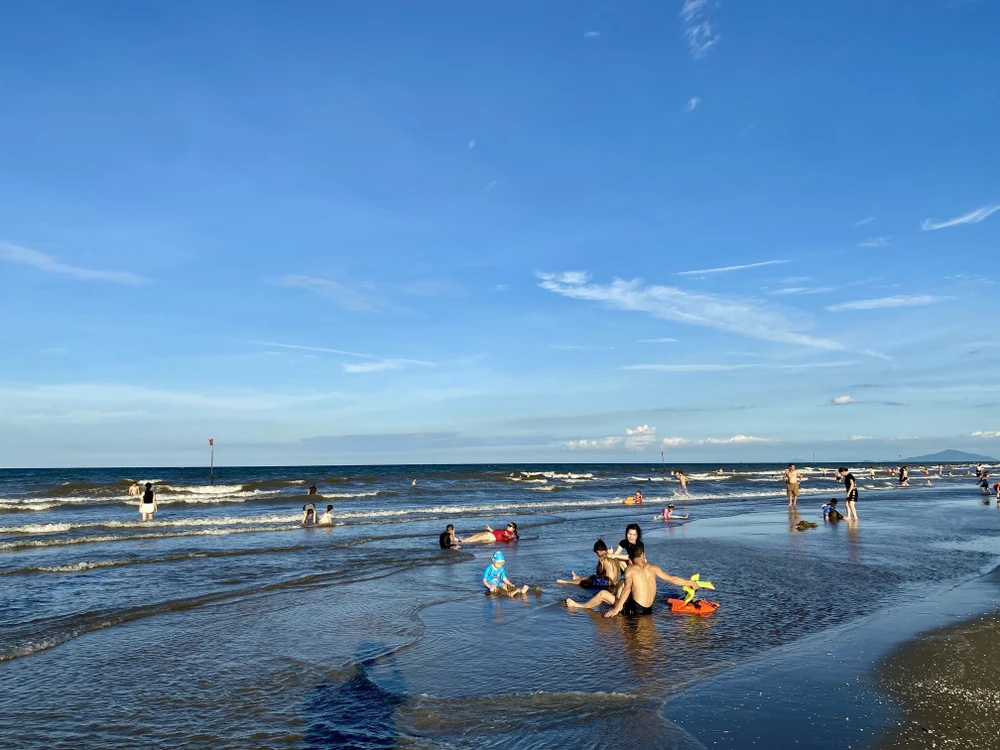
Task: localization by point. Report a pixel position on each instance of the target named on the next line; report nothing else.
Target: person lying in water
(448, 540)
(495, 578)
(485, 537)
(606, 575)
(636, 595)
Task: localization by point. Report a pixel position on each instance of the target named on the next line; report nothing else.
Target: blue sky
(332, 232)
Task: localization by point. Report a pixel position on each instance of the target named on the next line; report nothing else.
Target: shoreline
(840, 688)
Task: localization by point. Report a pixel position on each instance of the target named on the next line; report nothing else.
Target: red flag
(211, 441)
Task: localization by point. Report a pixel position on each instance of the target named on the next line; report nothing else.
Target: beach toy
(688, 605)
(699, 607)
(630, 500)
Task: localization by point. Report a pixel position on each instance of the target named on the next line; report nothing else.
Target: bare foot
(570, 604)
(524, 589)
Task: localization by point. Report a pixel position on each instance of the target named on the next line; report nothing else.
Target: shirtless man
(606, 575)
(134, 490)
(683, 479)
(636, 595)
(792, 479)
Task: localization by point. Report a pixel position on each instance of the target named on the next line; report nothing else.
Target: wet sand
(947, 684)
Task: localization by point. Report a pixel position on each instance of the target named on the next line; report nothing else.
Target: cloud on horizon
(27, 257)
(734, 315)
(635, 440)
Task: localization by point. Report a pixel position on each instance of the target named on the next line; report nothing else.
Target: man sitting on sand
(495, 578)
(636, 596)
(606, 575)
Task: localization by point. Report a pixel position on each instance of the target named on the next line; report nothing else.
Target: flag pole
(211, 474)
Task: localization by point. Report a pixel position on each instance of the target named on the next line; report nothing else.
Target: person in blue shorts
(495, 578)
(606, 575)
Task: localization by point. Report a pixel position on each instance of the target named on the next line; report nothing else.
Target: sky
(449, 232)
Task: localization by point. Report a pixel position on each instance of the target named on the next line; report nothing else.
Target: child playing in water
(830, 512)
(604, 577)
(495, 578)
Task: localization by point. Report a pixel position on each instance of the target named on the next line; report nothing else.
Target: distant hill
(946, 457)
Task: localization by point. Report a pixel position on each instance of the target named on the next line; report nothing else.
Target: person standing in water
(148, 505)
(904, 476)
(792, 479)
(683, 479)
(851, 492)
(636, 595)
(133, 489)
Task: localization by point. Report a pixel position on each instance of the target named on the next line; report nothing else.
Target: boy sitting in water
(495, 578)
(606, 575)
(830, 512)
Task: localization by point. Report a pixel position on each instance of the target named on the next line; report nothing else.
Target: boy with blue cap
(495, 578)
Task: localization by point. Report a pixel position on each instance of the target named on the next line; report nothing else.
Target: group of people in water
(623, 577)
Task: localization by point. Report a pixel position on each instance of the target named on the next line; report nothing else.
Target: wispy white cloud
(580, 347)
(727, 367)
(866, 220)
(899, 300)
(383, 364)
(591, 34)
(803, 290)
(973, 217)
(989, 434)
(658, 341)
(357, 299)
(376, 363)
(745, 317)
(861, 437)
(874, 242)
(472, 143)
(693, 102)
(843, 400)
(727, 269)
(698, 29)
(42, 262)
(490, 185)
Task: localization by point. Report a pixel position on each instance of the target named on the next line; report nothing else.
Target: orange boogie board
(696, 607)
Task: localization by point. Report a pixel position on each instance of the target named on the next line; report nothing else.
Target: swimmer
(413, 483)
(327, 518)
(308, 514)
(485, 537)
(134, 490)
(312, 490)
(495, 578)
(606, 575)
(636, 595)
(448, 540)
(871, 472)
(638, 497)
(904, 476)
(792, 479)
(148, 505)
(682, 478)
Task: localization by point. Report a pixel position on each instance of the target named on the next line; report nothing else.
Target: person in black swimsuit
(448, 540)
(851, 492)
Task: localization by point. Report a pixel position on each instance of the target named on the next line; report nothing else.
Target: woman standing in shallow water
(147, 505)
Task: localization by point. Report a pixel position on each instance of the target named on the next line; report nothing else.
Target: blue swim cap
(498, 557)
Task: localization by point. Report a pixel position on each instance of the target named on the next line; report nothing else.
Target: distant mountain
(946, 457)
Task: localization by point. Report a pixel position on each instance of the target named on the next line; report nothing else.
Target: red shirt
(502, 535)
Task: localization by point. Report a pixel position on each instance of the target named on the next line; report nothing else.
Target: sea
(225, 623)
